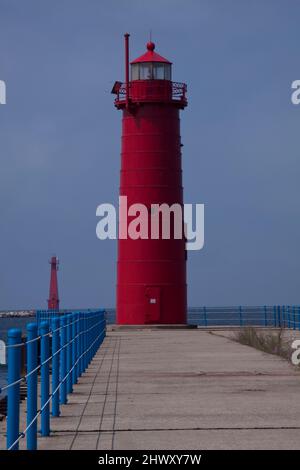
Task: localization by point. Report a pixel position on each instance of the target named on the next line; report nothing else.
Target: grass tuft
(271, 342)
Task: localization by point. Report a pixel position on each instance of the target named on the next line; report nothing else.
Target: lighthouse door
(152, 311)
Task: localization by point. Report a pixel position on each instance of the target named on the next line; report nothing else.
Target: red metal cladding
(151, 273)
(53, 301)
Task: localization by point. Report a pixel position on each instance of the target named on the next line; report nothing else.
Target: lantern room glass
(146, 71)
(151, 71)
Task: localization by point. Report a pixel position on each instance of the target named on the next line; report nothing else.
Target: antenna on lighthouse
(53, 301)
(126, 36)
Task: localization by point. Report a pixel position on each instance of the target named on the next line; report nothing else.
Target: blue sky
(60, 143)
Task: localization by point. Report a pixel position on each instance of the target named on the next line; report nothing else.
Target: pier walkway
(180, 389)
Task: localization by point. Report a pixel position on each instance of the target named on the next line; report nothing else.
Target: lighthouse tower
(151, 273)
(53, 301)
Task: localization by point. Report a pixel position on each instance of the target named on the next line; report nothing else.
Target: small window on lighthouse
(167, 71)
(135, 72)
(158, 71)
(146, 71)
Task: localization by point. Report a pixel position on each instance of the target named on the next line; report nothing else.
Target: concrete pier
(180, 389)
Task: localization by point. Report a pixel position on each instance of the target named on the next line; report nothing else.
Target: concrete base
(150, 327)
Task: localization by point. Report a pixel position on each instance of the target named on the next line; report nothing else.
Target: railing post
(37, 318)
(89, 333)
(32, 363)
(63, 361)
(279, 316)
(274, 316)
(45, 354)
(55, 366)
(294, 317)
(84, 341)
(289, 316)
(86, 324)
(205, 316)
(73, 348)
(76, 346)
(81, 342)
(241, 315)
(77, 367)
(100, 319)
(265, 313)
(98, 324)
(93, 336)
(70, 346)
(97, 320)
(283, 316)
(96, 331)
(74, 372)
(104, 326)
(13, 393)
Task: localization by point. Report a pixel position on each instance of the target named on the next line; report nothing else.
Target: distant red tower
(53, 301)
(151, 273)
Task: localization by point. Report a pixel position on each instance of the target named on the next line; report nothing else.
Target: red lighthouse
(53, 301)
(151, 273)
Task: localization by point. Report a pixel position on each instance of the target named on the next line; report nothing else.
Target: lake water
(5, 325)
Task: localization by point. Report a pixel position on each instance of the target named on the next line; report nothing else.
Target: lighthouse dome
(151, 66)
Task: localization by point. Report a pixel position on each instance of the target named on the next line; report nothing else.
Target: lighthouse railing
(152, 90)
(63, 344)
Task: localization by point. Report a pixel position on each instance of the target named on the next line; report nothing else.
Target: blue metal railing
(67, 342)
(47, 315)
(285, 316)
(278, 316)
